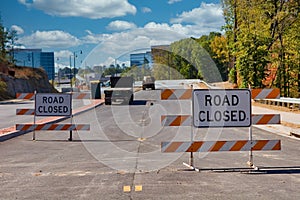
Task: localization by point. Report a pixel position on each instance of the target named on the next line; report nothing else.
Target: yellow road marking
(138, 188)
(126, 188)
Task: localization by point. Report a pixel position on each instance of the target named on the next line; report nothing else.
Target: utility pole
(75, 55)
(71, 73)
(32, 60)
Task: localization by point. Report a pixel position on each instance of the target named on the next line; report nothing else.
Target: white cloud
(116, 44)
(119, 25)
(94, 9)
(58, 66)
(174, 29)
(119, 43)
(49, 39)
(18, 29)
(173, 1)
(207, 16)
(146, 10)
(92, 38)
(62, 54)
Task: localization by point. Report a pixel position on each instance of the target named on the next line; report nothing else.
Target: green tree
(220, 54)
(231, 28)
(263, 40)
(209, 42)
(3, 42)
(12, 38)
(187, 58)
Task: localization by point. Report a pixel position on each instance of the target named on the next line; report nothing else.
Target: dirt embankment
(23, 80)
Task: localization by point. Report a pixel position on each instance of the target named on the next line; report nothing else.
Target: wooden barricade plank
(25, 111)
(265, 93)
(186, 94)
(80, 96)
(186, 120)
(176, 94)
(261, 119)
(52, 127)
(29, 96)
(216, 146)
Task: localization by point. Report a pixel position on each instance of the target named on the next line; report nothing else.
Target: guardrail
(292, 103)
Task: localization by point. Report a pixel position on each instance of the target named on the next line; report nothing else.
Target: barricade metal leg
(192, 139)
(250, 162)
(191, 165)
(192, 159)
(71, 138)
(33, 135)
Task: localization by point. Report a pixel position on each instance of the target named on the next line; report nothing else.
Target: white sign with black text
(53, 104)
(222, 108)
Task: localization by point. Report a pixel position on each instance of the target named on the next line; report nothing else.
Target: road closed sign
(222, 108)
(53, 104)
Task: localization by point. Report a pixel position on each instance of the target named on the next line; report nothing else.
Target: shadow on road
(15, 102)
(259, 170)
(139, 103)
(277, 170)
(66, 140)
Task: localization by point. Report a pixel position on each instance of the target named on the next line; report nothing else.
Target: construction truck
(148, 82)
(121, 91)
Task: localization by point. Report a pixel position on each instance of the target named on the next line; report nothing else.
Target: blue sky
(106, 29)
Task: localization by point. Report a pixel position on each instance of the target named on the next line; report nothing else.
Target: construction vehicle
(121, 90)
(148, 82)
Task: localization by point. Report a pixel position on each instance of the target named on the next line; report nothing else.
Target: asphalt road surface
(120, 158)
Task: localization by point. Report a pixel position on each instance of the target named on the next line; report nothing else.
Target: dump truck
(148, 82)
(121, 90)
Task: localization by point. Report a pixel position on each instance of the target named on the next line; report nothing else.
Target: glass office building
(35, 58)
(139, 59)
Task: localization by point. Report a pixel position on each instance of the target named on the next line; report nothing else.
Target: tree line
(192, 58)
(8, 40)
(260, 48)
(263, 41)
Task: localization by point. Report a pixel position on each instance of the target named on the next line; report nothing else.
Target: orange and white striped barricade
(25, 111)
(262, 119)
(52, 127)
(176, 120)
(265, 93)
(186, 94)
(76, 95)
(51, 104)
(176, 94)
(256, 94)
(215, 146)
(186, 120)
(29, 96)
